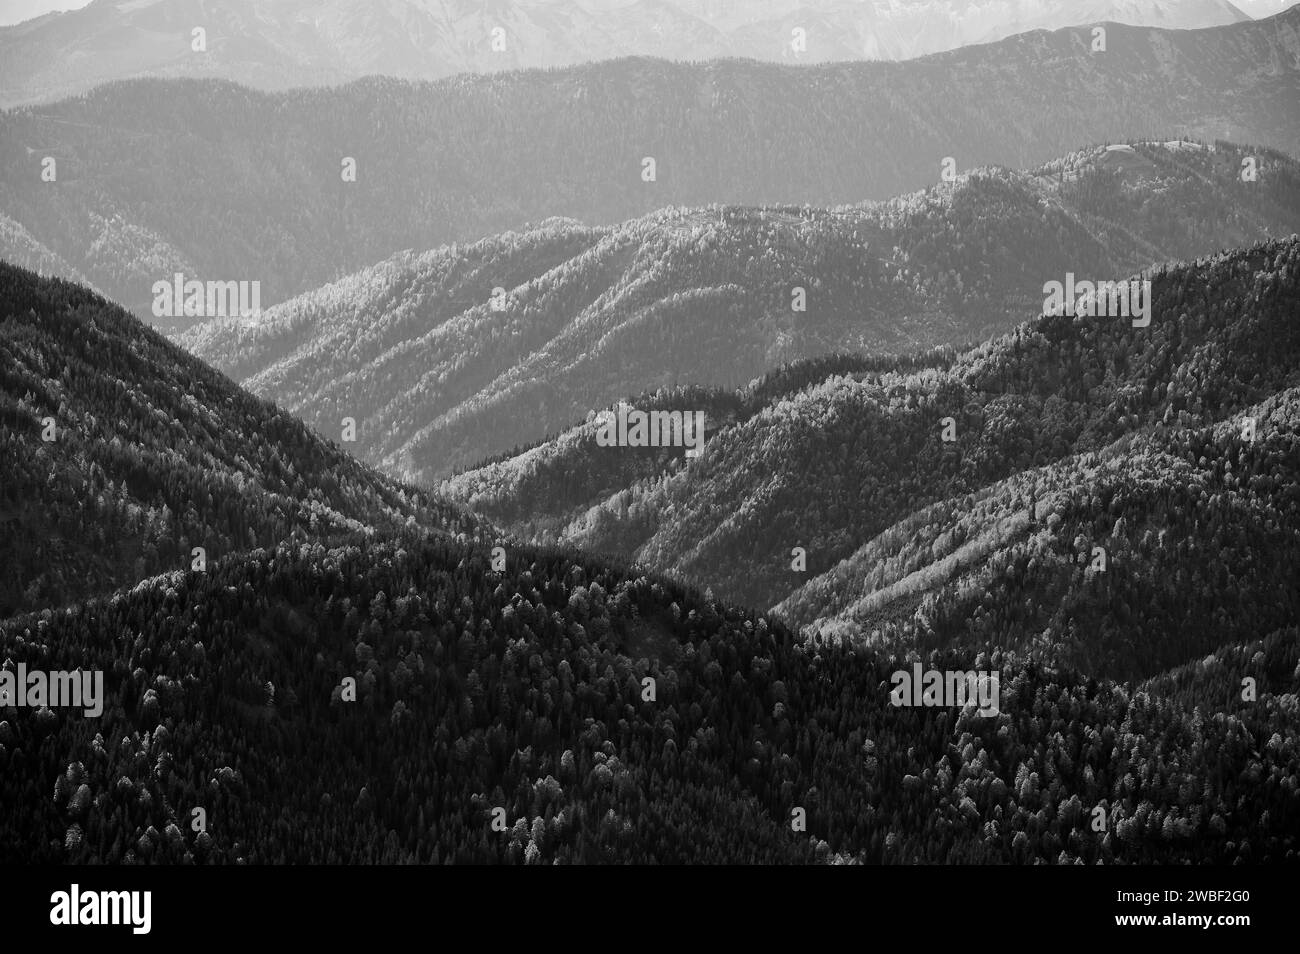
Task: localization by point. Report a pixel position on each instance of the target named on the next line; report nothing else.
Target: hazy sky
(1262, 8)
(15, 11)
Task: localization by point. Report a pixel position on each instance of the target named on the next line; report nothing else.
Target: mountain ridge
(289, 44)
(797, 469)
(444, 374)
(219, 182)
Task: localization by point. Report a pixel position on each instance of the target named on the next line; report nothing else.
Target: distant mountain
(219, 183)
(903, 29)
(830, 455)
(120, 453)
(442, 375)
(276, 44)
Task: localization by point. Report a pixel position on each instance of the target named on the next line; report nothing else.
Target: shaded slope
(153, 453)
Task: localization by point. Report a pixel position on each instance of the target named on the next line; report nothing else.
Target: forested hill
(224, 183)
(1124, 562)
(443, 374)
(597, 716)
(829, 454)
(120, 453)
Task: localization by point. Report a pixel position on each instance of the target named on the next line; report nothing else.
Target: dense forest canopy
(525, 691)
(120, 453)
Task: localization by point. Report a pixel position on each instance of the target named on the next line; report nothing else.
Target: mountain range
(829, 457)
(287, 43)
(368, 575)
(137, 181)
(441, 373)
(399, 694)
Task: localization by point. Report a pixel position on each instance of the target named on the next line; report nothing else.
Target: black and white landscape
(616, 431)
